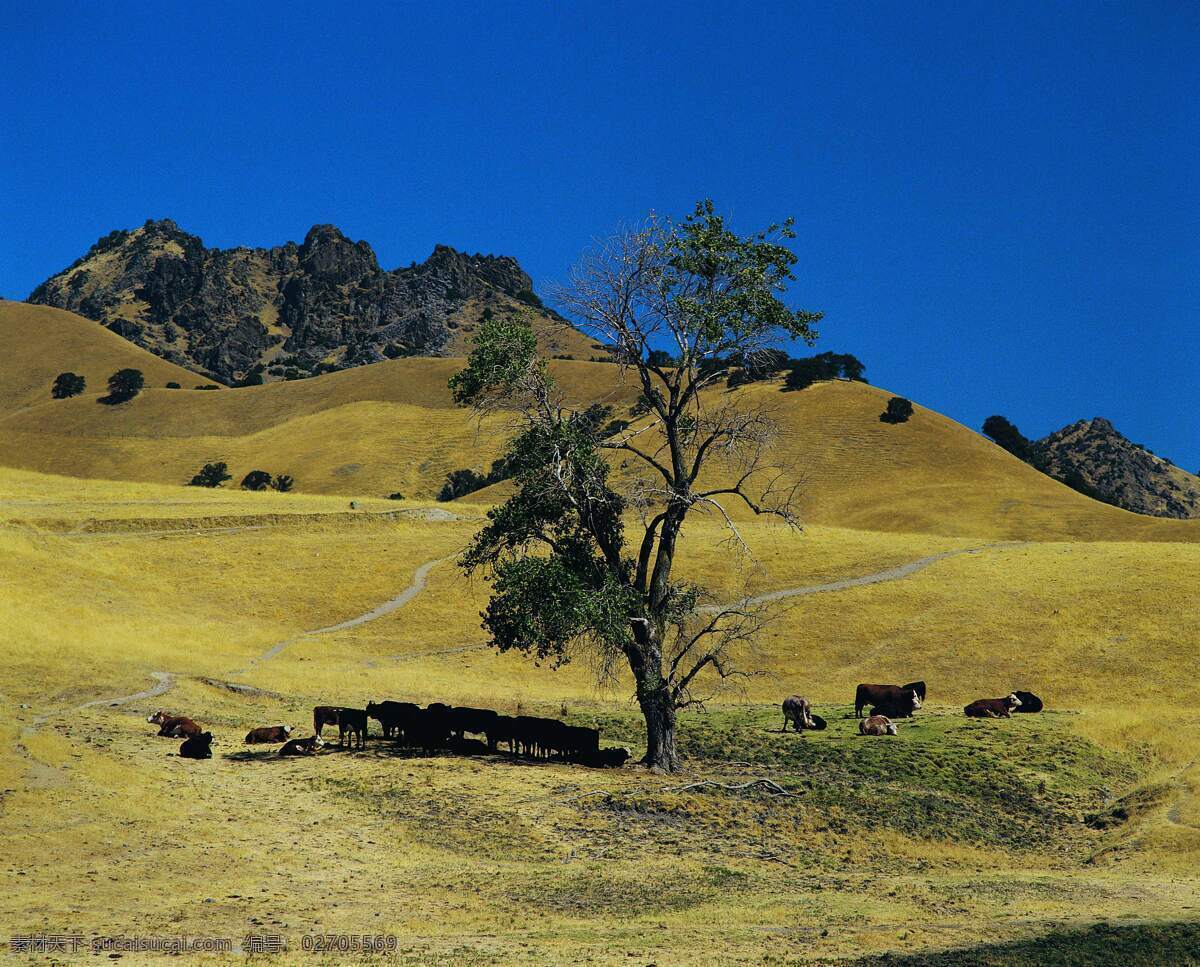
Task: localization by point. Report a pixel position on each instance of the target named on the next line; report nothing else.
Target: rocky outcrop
(246, 314)
(1093, 457)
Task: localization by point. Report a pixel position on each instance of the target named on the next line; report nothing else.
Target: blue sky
(999, 204)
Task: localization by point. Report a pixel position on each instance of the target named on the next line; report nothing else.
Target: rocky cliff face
(1093, 457)
(243, 314)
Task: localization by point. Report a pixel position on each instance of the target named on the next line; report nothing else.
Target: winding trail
(891, 574)
(419, 580)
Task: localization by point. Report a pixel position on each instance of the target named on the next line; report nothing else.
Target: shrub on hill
(123, 385)
(208, 386)
(1006, 435)
(396, 496)
(212, 475)
(256, 480)
(283, 482)
(461, 482)
(173, 385)
(802, 373)
(67, 385)
(898, 411)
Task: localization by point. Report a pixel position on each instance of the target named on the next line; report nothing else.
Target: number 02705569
(349, 943)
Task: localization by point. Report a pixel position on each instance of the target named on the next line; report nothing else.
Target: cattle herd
(439, 727)
(887, 702)
(436, 727)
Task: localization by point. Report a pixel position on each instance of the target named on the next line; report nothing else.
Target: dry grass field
(1070, 834)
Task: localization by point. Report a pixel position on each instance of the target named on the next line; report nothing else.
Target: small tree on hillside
(124, 385)
(564, 574)
(256, 480)
(1006, 434)
(212, 475)
(67, 385)
(898, 411)
(283, 482)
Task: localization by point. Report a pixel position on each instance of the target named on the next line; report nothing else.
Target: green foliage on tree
(256, 480)
(898, 411)
(565, 573)
(124, 385)
(67, 385)
(211, 475)
(1006, 434)
(283, 482)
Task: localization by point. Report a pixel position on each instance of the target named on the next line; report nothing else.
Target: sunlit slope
(37, 343)
(374, 430)
(392, 427)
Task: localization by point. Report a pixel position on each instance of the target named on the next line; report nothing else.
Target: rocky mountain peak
(247, 314)
(328, 254)
(1095, 458)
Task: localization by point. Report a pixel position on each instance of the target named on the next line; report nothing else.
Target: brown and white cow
(877, 725)
(269, 733)
(992, 708)
(309, 746)
(173, 726)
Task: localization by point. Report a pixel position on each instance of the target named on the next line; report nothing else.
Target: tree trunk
(645, 661)
(659, 711)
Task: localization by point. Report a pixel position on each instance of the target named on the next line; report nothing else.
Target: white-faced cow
(877, 725)
(992, 708)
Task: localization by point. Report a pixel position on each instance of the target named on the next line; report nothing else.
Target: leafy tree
(461, 482)
(802, 373)
(212, 475)
(67, 385)
(283, 482)
(565, 574)
(124, 385)
(173, 385)
(1006, 434)
(898, 411)
(256, 480)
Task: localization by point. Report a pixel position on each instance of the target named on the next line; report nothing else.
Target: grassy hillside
(952, 835)
(392, 427)
(37, 343)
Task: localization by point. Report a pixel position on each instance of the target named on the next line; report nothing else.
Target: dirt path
(419, 580)
(891, 574)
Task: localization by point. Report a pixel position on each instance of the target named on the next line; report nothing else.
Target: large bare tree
(679, 304)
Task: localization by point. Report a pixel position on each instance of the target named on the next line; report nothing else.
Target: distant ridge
(1092, 456)
(253, 314)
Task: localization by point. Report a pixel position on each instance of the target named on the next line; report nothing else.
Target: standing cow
(798, 711)
(893, 701)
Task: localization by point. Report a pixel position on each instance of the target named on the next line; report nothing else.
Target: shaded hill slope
(1100, 460)
(253, 314)
(392, 427)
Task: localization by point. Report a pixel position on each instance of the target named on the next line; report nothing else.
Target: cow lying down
(992, 708)
(197, 746)
(309, 746)
(173, 726)
(876, 725)
(269, 733)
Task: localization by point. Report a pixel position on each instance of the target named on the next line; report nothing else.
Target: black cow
(393, 717)
(608, 758)
(580, 743)
(324, 715)
(919, 688)
(503, 729)
(429, 728)
(197, 746)
(464, 719)
(894, 701)
(352, 721)
(1029, 702)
